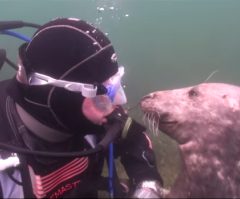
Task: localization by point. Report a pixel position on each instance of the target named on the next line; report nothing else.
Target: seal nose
(149, 96)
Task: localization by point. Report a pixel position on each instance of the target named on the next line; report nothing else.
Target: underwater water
(163, 44)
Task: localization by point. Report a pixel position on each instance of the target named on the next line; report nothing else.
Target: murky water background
(163, 44)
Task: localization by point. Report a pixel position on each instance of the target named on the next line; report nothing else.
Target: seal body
(205, 122)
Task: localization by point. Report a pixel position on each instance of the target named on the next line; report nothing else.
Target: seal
(205, 122)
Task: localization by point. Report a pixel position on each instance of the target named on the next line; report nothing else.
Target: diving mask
(115, 94)
(87, 90)
(105, 95)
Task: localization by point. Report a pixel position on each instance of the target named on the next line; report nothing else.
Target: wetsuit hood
(55, 50)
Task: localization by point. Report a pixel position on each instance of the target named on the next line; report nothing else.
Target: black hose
(7, 25)
(111, 135)
(32, 25)
(11, 64)
(2, 57)
(20, 150)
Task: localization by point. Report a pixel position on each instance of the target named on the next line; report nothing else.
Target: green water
(163, 44)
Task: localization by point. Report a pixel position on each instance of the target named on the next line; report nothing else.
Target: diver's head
(73, 51)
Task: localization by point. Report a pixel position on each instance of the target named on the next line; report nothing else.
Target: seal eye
(192, 93)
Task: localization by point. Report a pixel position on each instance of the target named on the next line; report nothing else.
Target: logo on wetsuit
(65, 188)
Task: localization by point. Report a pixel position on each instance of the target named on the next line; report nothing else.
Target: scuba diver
(61, 117)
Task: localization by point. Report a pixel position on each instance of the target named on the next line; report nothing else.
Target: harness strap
(16, 124)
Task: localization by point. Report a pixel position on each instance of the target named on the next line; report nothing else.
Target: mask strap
(87, 90)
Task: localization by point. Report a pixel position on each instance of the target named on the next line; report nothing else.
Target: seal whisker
(144, 119)
(210, 75)
(152, 123)
(155, 128)
(149, 123)
(157, 122)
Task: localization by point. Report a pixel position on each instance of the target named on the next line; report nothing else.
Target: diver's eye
(192, 93)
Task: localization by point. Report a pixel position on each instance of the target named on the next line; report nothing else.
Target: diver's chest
(59, 178)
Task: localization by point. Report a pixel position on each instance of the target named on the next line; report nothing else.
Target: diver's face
(93, 113)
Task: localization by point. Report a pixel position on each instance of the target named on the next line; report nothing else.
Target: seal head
(205, 121)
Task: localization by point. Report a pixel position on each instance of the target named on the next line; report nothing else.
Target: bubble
(124, 86)
(126, 15)
(94, 31)
(111, 8)
(100, 9)
(106, 33)
(87, 31)
(95, 43)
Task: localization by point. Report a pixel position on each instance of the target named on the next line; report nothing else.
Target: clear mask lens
(115, 95)
(103, 102)
(120, 97)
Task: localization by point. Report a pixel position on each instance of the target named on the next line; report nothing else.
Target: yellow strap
(126, 127)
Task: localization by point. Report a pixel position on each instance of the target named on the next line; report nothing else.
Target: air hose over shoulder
(7, 25)
(113, 132)
(109, 137)
(2, 57)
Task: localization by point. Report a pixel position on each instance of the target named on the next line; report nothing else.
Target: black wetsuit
(74, 177)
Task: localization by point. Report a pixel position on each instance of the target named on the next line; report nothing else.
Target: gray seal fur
(205, 122)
